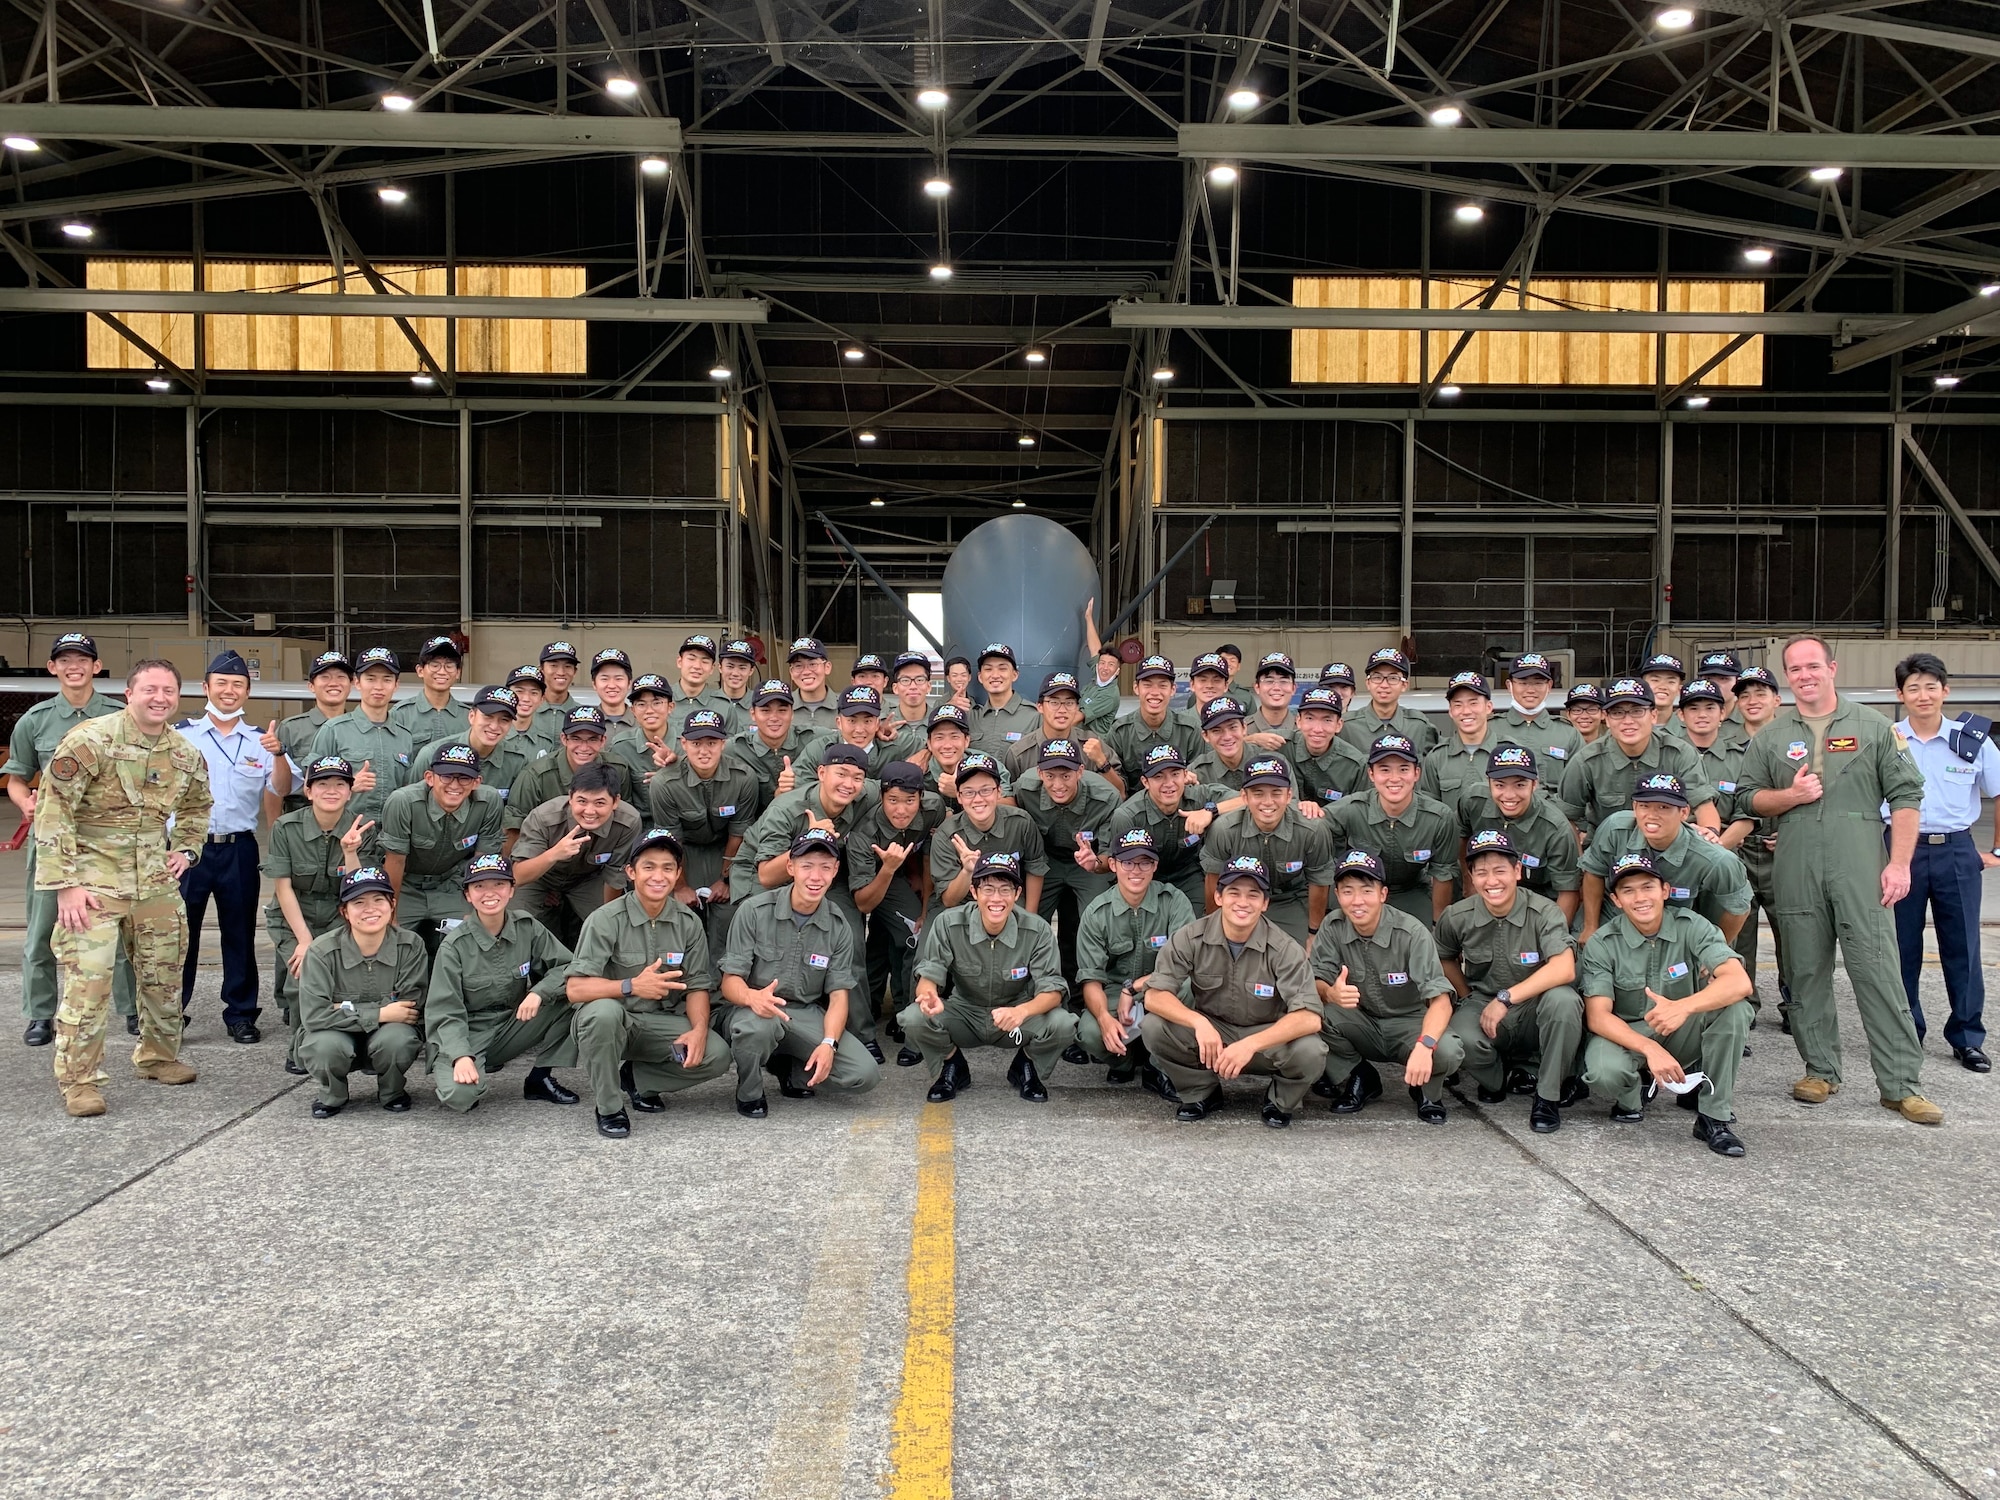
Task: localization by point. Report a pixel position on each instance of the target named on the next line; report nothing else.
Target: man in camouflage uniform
(101, 845)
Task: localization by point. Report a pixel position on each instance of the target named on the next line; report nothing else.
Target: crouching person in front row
(639, 985)
(1254, 1008)
(1117, 943)
(361, 997)
(1662, 989)
(788, 975)
(988, 975)
(497, 994)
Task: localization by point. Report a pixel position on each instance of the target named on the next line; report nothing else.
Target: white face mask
(223, 715)
(1691, 1082)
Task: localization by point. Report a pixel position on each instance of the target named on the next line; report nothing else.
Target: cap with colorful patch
(1663, 661)
(806, 648)
(327, 661)
(653, 684)
(704, 724)
(1267, 770)
(1336, 674)
(1136, 843)
(439, 645)
(816, 841)
(1061, 752)
(1061, 682)
(655, 838)
(610, 656)
(1387, 658)
(1363, 863)
(496, 700)
(561, 651)
(1394, 747)
(978, 763)
(1532, 664)
(701, 642)
(1244, 867)
(1276, 664)
(1162, 758)
(739, 650)
(369, 879)
(1210, 662)
(999, 866)
(868, 661)
(329, 768)
(909, 659)
(1322, 700)
(1662, 787)
(1219, 711)
(1468, 682)
(1628, 690)
(1757, 677)
(526, 672)
(857, 701)
(1585, 692)
(1701, 690)
(584, 718)
(455, 760)
(1512, 760)
(487, 867)
(948, 716)
(772, 691)
(83, 645)
(1628, 865)
(1490, 841)
(996, 650)
(381, 659)
(1721, 664)
(1153, 666)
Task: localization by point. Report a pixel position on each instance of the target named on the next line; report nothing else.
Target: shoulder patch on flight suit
(1838, 743)
(64, 767)
(1797, 750)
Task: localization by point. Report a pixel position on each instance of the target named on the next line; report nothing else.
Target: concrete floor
(215, 1295)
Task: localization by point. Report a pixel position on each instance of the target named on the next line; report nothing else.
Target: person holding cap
(240, 773)
(1061, 709)
(1272, 724)
(73, 664)
(559, 661)
(309, 851)
(888, 872)
(1296, 852)
(710, 803)
(1458, 765)
(1664, 675)
(1251, 1006)
(1385, 995)
(1154, 722)
(548, 776)
(361, 996)
(536, 730)
(1599, 781)
(1004, 720)
(736, 670)
(1530, 679)
(1328, 767)
(1699, 872)
(807, 664)
(1070, 807)
(1414, 838)
(496, 993)
(1176, 811)
(857, 715)
(1118, 940)
(570, 857)
(1387, 675)
(771, 747)
(639, 988)
(429, 832)
(1226, 751)
(1542, 839)
(988, 976)
(434, 713)
(982, 825)
(331, 678)
(790, 972)
(698, 688)
(611, 680)
(1663, 991)
(1584, 709)
(383, 753)
(490, 732)
(949, 741)
(1508, 955)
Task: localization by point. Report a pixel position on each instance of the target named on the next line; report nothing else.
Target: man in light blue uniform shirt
(239, 773)
(1959, 763)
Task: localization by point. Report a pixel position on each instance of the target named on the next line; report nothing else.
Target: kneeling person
(1253, 1007)
(361, 997)
(789, 974)
(1663, 989)
(1507, 954)
(1005, 986)
(639, 986)
(1117, 943)
(1386, 997)
(496, 992)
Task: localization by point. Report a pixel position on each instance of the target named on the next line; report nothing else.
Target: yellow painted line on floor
(920, 1432)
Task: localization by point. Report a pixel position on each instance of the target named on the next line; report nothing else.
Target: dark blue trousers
(1945, 879)
(228, 873)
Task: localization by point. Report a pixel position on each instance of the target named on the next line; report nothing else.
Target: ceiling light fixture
(933, 98)
(621, 88)
(1992, 288)
(1825, 174)
(1244, 99)
(1222, 174)
(1447, 391)
(1020, 505)
(853, 353)
(1468, 213)
(1035, 357)
(1696, 403)
(1944, 382)
(398, 104)
(938, 187)
(1447, 114)
(76, 229)
(1759, 255)
(1163, 374)
(654, 166)
(878, 502)
(940, 272)
(719, 371)
(865, 436)
(1025, 440)
(422, 380)
(1674, 18)
(159, 383)
(21, 143)
(392, 195)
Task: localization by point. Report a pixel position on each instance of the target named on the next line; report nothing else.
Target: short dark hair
(595, 777)
(1921, 664)
(150, 664)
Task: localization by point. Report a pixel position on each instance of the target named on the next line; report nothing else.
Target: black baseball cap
(1323, 699)
(773, 691)
(1757, 677)
(979, 763)
(1585, 692)
(1223, 710)
(859, 700)
(1663, 661)
(1532, 664)
(704, 724)
(1701, 690)
(739, 651)
(1136, 843)
(329, 768)
(1468, 682)
(440, 645)
(815, 841)
(584, 718)
(1060, 753)
(948, 714)
(610, 656)
(496, 700)
(1628, 690)
(455, 760)
(487, 867)
(843, 754)
(1387, 656)
(527, 672)
(1267, 770)
(360, 882)
(700, 642)
(909, 659)
(378, 656)
(326, 661)
(1000, 650)
(1720, 664)
(1062, 682)
(1662, 787)
(1336, 674)
(1490, 841)
(1210, 661)
(1001, 866)
(655, 838)
(651, 682)
(806, 647)
(1512, 760)
(868, 661)
(907, 775)
(1631, 864)
(1363, 863)
(1394, 747)
(1153, 666)
(1244, 867)
(1162, 758)
(561, 651)
(1275, 663)
(77, 641)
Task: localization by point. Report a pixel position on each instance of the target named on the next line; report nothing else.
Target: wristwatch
(1428, 1041)
(1506, 998)
(625, 988)
(826, 1041)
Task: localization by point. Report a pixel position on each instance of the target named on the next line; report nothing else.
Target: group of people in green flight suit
(712, 873)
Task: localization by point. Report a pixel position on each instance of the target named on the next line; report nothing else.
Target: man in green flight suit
(1541, 836)
(1528, 723)
(548, 775)
(1155, 722)
(772, 743)
(1177, 812)
(1387, 675)
(1663, 989)
(570, 857)
(382, 752)
(1699, 872)
(1457, 764)
(434, 713)
(489, 730)
(429, 831)
(710, 803)
(982, 826)
(308, 853)
(361, 997)
(1414, 837)
(1069, 807)
(1297, 852)
(1599, 781)
(1823, 768)
(1329, 768)
(1117, 943)
(73, 664)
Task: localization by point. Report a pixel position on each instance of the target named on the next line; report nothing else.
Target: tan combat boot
(1916, 1109)
(83, 1101)
(1810, 1090)
(170, 1070)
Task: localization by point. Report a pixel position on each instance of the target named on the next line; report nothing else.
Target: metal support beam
(1406, 571)
(1892, 562)
(1663, 531)
(192, 458)
(1897, 31)
(561, 135)
(879, 582)
(1187, 316)
(1628, 148)
(1960, 316)
(1132, 608)
(369, 305)
(464, 520)
(1950, 502)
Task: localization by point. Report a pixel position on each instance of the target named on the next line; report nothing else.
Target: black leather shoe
(892, 1030)
(1323, 1087)
(1575, 1091)
(1348, 1097)
(1721, 1139)
(1371, 1080)
(1153, 1081)
(132, 1025)
(541, 1085)
(614, 1126)
(1543, 1117)
(1195, 1110)
(1030, 1083)
(245, 1033)
(326, 1111)
(40, 1033)
(943, 1091)
(875, 1051)
(1073, 1053)
(1014, 1068)
(908, 1057)
(959, 1071)
(1492, 1096)
(1275, 1117)
(1431, 1111)
(646, 1104)
(1122, 1071)
(1746, 1049)
(294, 1067)
(792, 1083)
(400, 1105)
(1972, 1059)
(753, 1109)
(1628, 1116)
(1520, 1081)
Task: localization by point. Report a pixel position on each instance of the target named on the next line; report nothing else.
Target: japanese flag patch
(1531, 861)
(1264, 991)
(604, 858)
(1680, 893)
(1292, 866)
(816, 960)
(468, 841)
(1330, 795)
(1157, 940)
(1020, 973)
(1419, 856)
(1725, 786)
(1677, 971)
(1558, 752)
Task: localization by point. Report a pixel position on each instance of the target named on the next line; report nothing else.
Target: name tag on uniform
(726, 812)
(1558, 752)
(816, 960)
(1841, 744)
(1190, 841)
(468, 841)
(451, 923)
(1330, 795)
(1531, 861)
(1680, 893)
(1797, 750)
(604, 858)
(673, 958)
(1418, 856)
(1157, 940)
(1264, 991)
(1725, 786)
(1292, 866)
(1020, 973)
(402, 759)
(1012, 735)
(1530, 957)
(524, 970)
(1397, 977)
(1677, 971)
